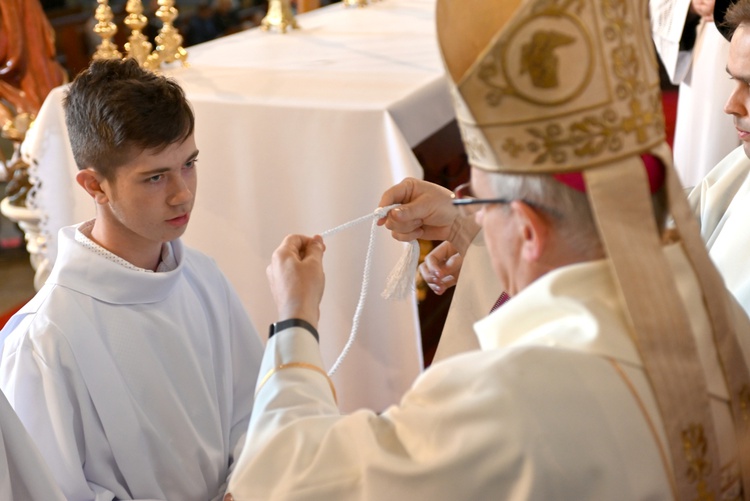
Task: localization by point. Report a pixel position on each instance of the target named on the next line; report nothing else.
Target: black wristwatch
(292, 322)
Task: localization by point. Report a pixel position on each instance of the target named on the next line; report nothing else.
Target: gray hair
(568, 209)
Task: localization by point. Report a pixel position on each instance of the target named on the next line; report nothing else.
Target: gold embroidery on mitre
(531, 54)
(539, 59)
(695, 446)
(477, 148)
(567, 87)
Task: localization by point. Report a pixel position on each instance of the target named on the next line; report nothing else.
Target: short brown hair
(737, 13)
(114, 110)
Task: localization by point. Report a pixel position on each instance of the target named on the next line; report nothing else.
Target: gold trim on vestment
(650, 423)
(297, 365)
(731, 482)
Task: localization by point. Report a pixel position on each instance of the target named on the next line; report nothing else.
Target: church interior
(306, 111)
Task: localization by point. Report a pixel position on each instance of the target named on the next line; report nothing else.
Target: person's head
(544, 225)
(114, 110)
(224, 6)
(131, 132)
(737, 21)
(204, 10)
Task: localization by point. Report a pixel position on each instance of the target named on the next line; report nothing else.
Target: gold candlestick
(168, 41)
(279, 16)
(138, 47)
(17, 170)
(106, 29)
(355, 3)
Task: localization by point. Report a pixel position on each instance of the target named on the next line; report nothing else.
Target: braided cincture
(400, 281)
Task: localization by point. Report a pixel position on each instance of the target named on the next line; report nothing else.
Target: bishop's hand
(427, 212)
(297, 279)
(441, 267)
(704, 8)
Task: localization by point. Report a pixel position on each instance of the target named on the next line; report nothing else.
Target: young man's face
(149, 200)
(738, 67)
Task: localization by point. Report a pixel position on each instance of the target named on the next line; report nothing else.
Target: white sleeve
(23, 473)
(36, 378)
(529, 423)
(667, 22)
(299, 446)
(723, 188)
(247, 351)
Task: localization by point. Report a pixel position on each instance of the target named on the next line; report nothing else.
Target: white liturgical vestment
(703, 134)
(555, 406)
(24, 475)
(722, 203)
(133, 385)
(476, 292)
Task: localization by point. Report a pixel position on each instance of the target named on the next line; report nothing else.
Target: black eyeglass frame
(463, 200)
(476, 201)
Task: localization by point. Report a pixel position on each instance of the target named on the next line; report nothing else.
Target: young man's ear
(533, 230)
(91, 181)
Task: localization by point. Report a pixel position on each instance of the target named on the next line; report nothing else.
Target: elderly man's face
(500, 236)
(738, 67)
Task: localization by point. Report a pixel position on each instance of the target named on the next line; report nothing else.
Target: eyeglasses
(468, 204)
(464, 196)
(464, 199)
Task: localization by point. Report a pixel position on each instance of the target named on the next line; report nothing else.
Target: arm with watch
(292, 382)
(297, 282)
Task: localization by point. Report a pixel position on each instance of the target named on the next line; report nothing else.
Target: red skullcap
(654, 170)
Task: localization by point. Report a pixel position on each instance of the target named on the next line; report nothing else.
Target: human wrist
(306, 310)
(462, 233)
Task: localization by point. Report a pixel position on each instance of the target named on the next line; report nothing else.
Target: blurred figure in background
(694, 54)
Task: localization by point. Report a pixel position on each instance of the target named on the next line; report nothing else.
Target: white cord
(379, 213)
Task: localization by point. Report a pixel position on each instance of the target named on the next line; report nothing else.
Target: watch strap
(292, 322)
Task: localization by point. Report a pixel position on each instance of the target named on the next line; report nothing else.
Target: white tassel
(400, 283)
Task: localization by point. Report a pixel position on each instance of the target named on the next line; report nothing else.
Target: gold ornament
(17, 170)
(106, 29)
(279, 16)
(138, 47)
(168, 41)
